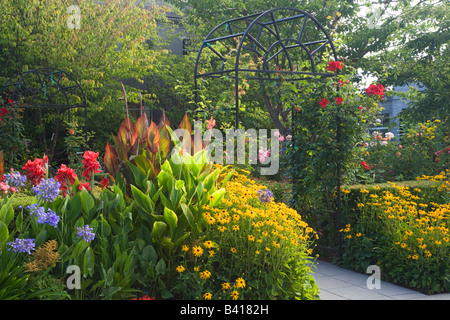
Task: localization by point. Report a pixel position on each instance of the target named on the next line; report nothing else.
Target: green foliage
(18, 284)
(422, 149)
(322, 148)
(109, 45)
(13, 144)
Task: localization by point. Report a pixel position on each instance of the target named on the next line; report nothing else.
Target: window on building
(186, 46)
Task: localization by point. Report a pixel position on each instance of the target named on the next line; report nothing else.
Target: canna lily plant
(140, 149)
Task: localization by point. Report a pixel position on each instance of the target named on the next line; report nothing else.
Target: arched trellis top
(281, 43)
(46, 88)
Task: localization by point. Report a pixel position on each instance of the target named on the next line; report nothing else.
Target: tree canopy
(395, 42)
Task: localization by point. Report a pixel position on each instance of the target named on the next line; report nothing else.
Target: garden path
(336, 283)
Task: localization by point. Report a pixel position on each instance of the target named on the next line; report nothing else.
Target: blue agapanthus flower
(265, 195)
(43, 215)
(15, 179)
(22, 245)
(85, 233)
(47, 190)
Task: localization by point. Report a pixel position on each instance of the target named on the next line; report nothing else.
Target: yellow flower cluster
(426, 130)
(415, 224)
(271, 220)
(243, 234)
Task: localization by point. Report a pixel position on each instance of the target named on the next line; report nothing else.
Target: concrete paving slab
(336, 283)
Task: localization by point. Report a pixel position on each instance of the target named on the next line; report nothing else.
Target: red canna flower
(339, 100)
(334, 65)
(65, 176)
(86, 185)
(323, 102)
(104, 182)
(91, 164)
(145, 297)
(35, 171)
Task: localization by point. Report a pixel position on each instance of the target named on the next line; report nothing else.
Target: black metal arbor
(46, 88)
(281, 44)
(277, 44)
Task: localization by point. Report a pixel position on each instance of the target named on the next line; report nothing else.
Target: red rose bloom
(3, 112)
(376, 89)
(365, 165)
(334, 65)
(323, 102)
(35, 171)
(91, 164)
(65, 176)
(339, 100)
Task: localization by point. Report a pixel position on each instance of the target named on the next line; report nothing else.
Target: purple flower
(86, 233)
(44, 216)
(49, 217)
(22, 245)
(47, 190)
(265, 195)
(15, 179)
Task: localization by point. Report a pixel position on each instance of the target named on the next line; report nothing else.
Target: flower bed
(252, 248)
(403, 229)
(196, 231)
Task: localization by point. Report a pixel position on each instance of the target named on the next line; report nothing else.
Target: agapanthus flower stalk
(22, 245)
(85, 233)
(47, 189)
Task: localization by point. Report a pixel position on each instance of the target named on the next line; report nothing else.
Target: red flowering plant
(334, 65)
(36, 170)
(375, 90)
(90, 166)
(66, 177)
(335, 115)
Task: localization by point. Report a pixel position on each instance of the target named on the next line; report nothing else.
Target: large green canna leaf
(4, 233)
(146, 166)
(171, 219)
(7, 211)
(158, 229)
(143, 200)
